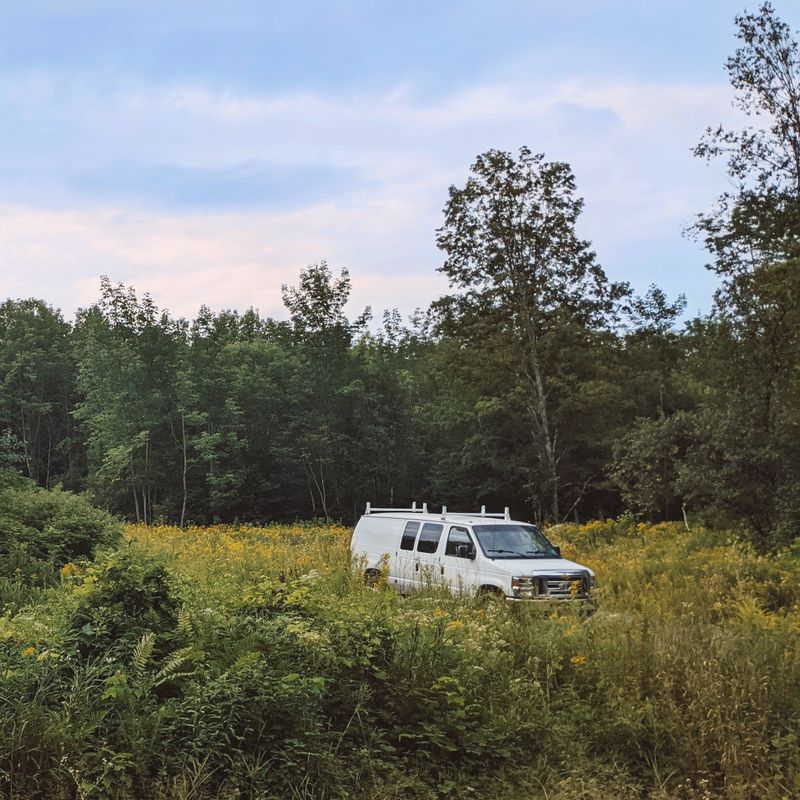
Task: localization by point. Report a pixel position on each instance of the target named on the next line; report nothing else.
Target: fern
(142, 652)
(245, 660)
(185, 623)
(173, 668)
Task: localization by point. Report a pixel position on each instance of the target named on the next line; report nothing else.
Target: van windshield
(514, 541)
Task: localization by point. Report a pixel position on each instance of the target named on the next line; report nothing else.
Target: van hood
(538, 566)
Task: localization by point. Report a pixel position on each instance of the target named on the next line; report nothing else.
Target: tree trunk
(537, 405)
(49, 451)
(136, 504)
(185, 467)
(543, 434)
(25, 450)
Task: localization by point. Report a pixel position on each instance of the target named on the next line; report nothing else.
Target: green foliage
(37, 393)
(126, 598)
(41, 531)
(746, 460)
(683, 684)
(530, 296)
(757, 221)
(647, 464)
(129, 379)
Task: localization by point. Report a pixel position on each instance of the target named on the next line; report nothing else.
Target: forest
(537, 382)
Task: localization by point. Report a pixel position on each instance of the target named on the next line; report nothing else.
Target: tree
(649, 464)
(527, 285)
(323, 392)
(128, 357)
(37, 390)
(746, 459)
(758, 220)
(316, 306)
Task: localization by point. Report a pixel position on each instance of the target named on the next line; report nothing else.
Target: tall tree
(748, 458)
(37, 390)
(323, 390)
(526, 283)
(128, 357)
(758, 219)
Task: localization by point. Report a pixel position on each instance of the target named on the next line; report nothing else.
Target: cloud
(220, 260)
(218, 197)
(246, 185)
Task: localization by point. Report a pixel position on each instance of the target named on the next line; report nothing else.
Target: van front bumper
(569, 587)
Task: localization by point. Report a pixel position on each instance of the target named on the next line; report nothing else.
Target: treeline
(537, 383)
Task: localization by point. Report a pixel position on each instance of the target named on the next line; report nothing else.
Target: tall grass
(255, 662)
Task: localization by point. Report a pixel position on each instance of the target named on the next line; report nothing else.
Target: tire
(488, 595)
(372, 576)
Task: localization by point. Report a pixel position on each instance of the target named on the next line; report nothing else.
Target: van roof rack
(505, 514)
(412, 510)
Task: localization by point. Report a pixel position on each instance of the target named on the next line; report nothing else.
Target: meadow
(239, 661)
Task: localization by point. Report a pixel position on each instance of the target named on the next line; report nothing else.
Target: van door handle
(441, 568)
(416, 567)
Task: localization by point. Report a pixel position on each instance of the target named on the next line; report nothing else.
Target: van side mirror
(558, 551)
(465, 551)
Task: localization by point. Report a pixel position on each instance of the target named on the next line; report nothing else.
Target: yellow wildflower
(578, 661)
(29, 651)
(69, 569)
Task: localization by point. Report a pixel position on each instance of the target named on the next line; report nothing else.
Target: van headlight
(524, 586)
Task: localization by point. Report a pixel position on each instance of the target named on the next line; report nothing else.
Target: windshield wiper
(515, 552)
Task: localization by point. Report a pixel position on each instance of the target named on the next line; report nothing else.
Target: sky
(207, 152)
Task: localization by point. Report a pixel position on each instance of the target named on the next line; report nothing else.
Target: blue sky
(206, 152)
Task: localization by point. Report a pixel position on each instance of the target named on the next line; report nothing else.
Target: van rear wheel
(372, 576)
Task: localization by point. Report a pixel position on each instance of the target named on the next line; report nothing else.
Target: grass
(254, 662)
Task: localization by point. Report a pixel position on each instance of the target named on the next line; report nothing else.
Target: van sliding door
(405, 558)
(426, 567)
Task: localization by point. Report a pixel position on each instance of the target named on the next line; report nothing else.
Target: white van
(466, 552)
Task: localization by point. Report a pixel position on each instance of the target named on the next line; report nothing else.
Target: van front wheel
(490, 594)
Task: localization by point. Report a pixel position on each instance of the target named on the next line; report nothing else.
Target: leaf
(143, 651)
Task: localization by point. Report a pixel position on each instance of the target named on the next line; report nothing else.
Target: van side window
(456, 537)
(429, 538)
(409, 535)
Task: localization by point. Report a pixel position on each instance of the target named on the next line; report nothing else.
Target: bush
(127, 595)
(41, 531)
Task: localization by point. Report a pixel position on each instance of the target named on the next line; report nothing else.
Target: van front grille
(571, 586)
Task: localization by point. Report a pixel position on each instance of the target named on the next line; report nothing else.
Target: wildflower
(439, 613)
(68, 569)
(578, 661)
(45, 655)
(29, 651)
(455, 625)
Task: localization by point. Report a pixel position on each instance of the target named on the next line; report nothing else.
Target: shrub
(128, 594)
(41, 531)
